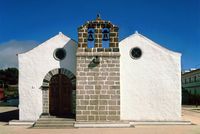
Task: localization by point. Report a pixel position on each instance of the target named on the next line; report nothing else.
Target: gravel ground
(188, 114)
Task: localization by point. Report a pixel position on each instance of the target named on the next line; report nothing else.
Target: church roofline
(192, 70)
(98, 20)
(151, 42)
(60, 34)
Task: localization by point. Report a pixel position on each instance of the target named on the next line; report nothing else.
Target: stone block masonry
(98, 25)
(97, 87)
(98, 83)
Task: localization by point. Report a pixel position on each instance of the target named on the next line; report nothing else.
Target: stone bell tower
(98, 72)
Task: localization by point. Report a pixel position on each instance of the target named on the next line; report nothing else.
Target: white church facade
(100, 79)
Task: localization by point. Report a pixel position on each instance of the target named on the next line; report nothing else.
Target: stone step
(53, 126)
(56, 119)
(51, 116)
(53, 122)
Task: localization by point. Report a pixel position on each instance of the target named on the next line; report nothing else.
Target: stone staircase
(53, 122)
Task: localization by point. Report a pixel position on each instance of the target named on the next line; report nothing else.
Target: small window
(183, 82)
(195, 78)
(136, 53)
(59, 54)
(190, 80)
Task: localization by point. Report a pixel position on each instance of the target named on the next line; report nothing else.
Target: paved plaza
(189, 113)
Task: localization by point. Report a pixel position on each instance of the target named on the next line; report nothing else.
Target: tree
(9, 76)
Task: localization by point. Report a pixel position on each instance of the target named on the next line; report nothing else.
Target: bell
(90, 36)
(105, 35)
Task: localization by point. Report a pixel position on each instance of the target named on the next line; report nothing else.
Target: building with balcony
(191, 87)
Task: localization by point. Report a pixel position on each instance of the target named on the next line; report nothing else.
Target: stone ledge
(20, 123)
(101, 54)
(98, 49)
(102, 125)
(137, 123)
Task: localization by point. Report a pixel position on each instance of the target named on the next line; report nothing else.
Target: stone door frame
(45, 88)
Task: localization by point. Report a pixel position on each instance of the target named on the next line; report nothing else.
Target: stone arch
(63, 71)
(45, 88)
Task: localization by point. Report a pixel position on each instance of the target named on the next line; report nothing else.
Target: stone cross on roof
(98, 16)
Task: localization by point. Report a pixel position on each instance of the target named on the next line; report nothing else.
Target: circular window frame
(56, 50)
(135, 58)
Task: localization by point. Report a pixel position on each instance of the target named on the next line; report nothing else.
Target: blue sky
(175, 24)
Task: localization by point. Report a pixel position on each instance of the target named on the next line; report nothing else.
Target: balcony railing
(191, 84)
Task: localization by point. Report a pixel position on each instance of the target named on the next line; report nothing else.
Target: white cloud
(8, 51)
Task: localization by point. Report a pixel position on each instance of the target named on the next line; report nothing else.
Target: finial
(98, 16)
(60, 33)
(136, 32)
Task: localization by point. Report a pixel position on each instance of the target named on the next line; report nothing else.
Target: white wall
(150, 85)
(34, 65)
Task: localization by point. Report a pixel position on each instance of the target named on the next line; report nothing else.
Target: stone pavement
(188, 114)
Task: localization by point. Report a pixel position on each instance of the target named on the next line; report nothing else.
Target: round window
(136, 53)
(59, 54)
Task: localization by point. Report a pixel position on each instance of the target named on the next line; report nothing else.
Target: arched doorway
(60, 96)
(60, 102)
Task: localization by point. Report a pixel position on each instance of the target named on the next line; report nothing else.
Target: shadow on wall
(70, 60)
(69, 63)
(9, 115)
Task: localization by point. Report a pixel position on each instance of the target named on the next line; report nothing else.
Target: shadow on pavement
(9, 115)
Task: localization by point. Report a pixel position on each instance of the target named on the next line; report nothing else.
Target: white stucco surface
(151, 85)
(34, 65)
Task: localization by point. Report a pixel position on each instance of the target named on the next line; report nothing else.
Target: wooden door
(60, 96)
